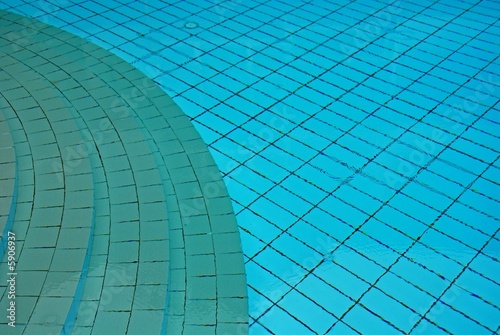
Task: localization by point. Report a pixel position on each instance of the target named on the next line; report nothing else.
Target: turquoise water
(358, 141)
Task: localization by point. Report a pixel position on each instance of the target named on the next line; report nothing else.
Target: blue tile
(291, 202)
(452, 173)
(281, 158)
(389, 309)
(262, 99)
(440, 264)
(330, 299)
(258, 303)
(252, 177)
(453, 321)
(473, 306)
(309, 137)
(408, 294)
(425, 326)
(359, 199)
(341, 328)
(342, 280)
(282, 267)
(246, 139)
(189, 107)
(365, 322)
(280, 322)
(375, 188)
(431, 198)
(305, 310)
(317, 239)
(232, 149)
(414, 208)
(392, 216)
(186, 76)
(208, 135)
(480, 202)
(274, 213)
(345, 155)
(257, 329)
(420, 277)
(343, 211)
(297, 251)
(348, 111)
(244, 196)
(327, 125)
(203, 99)
(356, 262)
(268, 170)
(252, 244)
(214, 90)
(258, 225)
(267, 284)
(472, 217)
(135, 50)
(300, 186)
(296, 148)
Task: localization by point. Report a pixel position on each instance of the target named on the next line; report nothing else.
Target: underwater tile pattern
(7, 174)
(358, 141)
(103, 240)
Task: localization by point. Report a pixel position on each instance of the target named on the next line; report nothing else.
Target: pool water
(359, 145)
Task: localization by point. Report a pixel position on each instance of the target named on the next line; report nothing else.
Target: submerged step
(146, 230)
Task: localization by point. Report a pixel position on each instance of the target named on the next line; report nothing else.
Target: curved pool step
(182, 274)
(8, 177)
(50, 266)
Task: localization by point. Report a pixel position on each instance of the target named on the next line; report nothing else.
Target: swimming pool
(357, 140)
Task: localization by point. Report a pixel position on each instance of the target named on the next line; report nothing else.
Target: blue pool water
(358, 140)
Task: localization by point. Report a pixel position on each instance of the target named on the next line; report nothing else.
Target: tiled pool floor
(358, 141)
